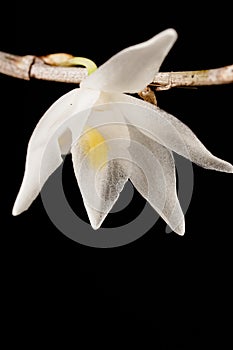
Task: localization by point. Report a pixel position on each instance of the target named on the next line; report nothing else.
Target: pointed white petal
(132, 69)
(49, 139)
(101, 170)
(169, 131)
(101, 166)
(153, 175)
(100, 189)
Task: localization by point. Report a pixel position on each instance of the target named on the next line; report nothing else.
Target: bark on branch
(217, 76)
(27, 67)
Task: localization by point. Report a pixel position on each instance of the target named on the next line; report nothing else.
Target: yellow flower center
(94, 146)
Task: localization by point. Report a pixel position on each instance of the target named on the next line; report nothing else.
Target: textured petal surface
(100, 190)
(60, 125)
(101, 181)
(153, 175)
(132, 69)
(169, 132)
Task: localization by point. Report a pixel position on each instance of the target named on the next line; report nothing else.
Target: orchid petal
(109, 181)
(101, 169)
(133, 68)
(51, 138)
(153, 175)
(169, 132)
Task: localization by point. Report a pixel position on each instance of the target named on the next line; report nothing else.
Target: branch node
(16, 66)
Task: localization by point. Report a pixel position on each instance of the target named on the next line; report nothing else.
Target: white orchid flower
(114, 137)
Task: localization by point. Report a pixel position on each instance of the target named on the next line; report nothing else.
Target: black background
(178, 288)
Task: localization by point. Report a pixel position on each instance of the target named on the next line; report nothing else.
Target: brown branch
(41, 70)
(16, 66)
(217, 76)
(27, 67)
